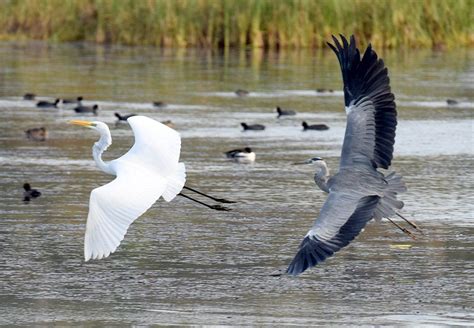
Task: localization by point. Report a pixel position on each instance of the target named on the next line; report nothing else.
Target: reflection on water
(183, 264)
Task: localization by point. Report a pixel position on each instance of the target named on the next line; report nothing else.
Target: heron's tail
(389, 204)
(175, 183)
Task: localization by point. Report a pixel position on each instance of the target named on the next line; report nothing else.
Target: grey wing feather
(368, 78)
(315, 249)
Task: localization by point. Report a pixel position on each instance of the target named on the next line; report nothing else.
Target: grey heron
(358, 192)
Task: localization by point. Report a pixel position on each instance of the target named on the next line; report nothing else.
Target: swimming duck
(322, 90)
(48, 104)
(452, 102)
(37, 134)
(77, 101)
(159, 104)
(241, 92)
(319, 127)
(124, 117)
(29, 96)
(282, 112)
(87, 109)
(254, 127)
(169, 124)
(245, 155)
(29, 193)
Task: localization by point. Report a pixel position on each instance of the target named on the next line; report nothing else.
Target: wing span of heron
(358, 192)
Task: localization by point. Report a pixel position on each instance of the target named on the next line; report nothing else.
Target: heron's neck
(99, 147)
(321, 176)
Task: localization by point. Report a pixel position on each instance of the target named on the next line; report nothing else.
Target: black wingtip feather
(368, 77)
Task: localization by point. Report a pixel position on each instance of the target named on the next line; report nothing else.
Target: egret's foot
(225, 201)
(220, 208)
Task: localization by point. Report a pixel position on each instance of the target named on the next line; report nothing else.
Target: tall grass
(241, 23)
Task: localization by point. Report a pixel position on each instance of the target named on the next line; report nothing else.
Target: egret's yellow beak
(86, 124)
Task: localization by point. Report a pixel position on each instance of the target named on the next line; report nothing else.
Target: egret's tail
(175, 183)
(389, 204)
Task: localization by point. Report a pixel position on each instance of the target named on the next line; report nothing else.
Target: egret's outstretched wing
(157, 146)
(114, 206)
(341, 219)
(370, 107)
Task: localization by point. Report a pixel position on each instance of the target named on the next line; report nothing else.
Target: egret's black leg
(214, 207)
(220, 200)
(409, 222)
(402, 229)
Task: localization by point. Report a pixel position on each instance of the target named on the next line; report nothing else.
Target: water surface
(184, 264)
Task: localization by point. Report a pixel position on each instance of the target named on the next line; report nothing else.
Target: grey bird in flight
(358, 192)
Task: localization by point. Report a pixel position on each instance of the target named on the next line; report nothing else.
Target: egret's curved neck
(321, 176)
(99, 147)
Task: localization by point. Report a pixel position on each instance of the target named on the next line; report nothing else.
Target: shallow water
(184, 264)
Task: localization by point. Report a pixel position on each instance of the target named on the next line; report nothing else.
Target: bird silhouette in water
(48, 104)
(252, 127)
(245, 155)
(29, 96)
(37, 134)
(124, 117)
(319, 127)
(29, 193)
(282, 112)
(160, 104)
(77, 101)
(87, 109)
(241, 92)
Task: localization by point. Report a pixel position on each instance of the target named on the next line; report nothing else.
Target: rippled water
(184, 264)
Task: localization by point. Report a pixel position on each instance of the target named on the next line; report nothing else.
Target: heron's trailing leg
(402, 229)
(409, 222)
(220, 200)
(214, 207)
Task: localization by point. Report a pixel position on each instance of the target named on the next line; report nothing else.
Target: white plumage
(150, 169)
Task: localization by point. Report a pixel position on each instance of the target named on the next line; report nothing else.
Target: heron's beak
(86, 124)
(303, 163)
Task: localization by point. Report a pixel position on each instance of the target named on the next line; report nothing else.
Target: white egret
(148, 171)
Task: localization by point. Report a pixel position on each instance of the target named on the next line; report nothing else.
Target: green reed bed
(241, 23)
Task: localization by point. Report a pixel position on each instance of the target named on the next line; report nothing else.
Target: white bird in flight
(148, 171)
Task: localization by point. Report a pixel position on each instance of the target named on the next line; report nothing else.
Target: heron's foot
(409, 233)
(277, 273)
(219, 208)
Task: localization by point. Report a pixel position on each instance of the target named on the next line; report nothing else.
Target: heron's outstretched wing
(341, 219)
(370, 106)
(114, 206)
